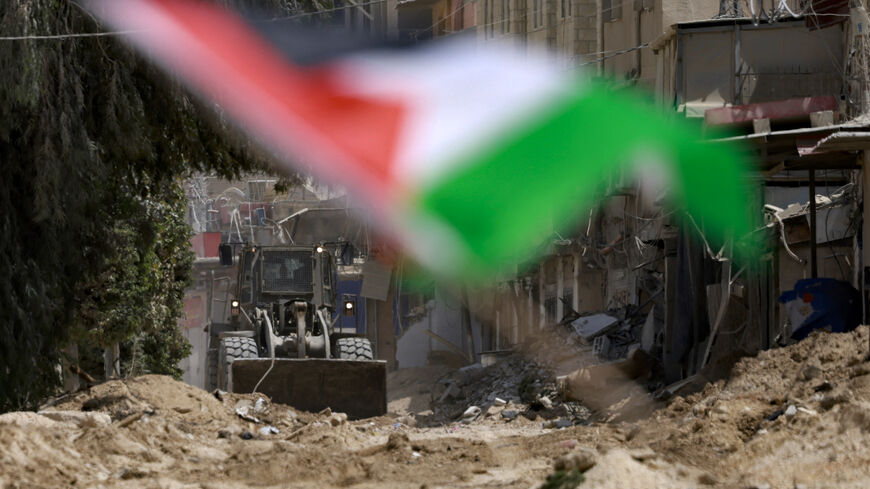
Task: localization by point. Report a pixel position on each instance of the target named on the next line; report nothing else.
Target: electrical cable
(783, 4)
(117, 33)
(775, 211)
(66, 36)
(444, 19)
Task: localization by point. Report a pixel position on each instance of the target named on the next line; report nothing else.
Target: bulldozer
(280, 338)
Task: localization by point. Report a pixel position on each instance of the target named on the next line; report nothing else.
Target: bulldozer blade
(357, 388)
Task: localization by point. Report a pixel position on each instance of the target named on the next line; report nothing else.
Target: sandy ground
(797, 417)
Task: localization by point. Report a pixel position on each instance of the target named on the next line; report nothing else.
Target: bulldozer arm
(357, 388)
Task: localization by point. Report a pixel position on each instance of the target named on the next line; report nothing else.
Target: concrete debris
(229, 432)
(809, 412)
(546, 402)
(470, 414)
(260, 407)
(407, 420)
(581, 459)
(516, 380)
(595, 325)
(268, 430)
(509, 414)
(336, 419)
(557, 424)
(242, 412)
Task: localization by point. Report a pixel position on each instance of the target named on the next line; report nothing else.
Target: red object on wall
(780, 109)
(205, 245)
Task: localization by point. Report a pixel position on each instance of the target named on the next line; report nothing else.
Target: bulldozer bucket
(357, 388)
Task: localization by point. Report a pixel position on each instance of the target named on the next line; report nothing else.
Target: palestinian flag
(466, 154)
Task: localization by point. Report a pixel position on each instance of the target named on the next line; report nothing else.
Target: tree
(94, 143)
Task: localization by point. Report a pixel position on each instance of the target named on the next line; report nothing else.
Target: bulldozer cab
(268, 274)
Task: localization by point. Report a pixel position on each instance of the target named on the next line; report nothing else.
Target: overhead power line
(38, 37)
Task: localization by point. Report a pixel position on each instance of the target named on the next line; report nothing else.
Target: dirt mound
(147, 394)
(153, 431)
(618, 469)
(787, 417)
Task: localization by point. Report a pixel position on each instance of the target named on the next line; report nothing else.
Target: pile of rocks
(515, 386)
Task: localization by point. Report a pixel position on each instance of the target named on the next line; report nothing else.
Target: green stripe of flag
(557, 165)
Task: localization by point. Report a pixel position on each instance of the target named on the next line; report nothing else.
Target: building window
(537, 13)
(565, 8)
(505, 16)
(257, 190)
(550, 310)
(611, 10)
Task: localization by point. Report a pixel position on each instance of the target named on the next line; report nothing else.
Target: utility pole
(466, 321)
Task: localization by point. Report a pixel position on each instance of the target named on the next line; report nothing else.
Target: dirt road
(797, 417)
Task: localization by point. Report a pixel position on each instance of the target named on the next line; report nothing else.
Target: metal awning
(828, 147)
(843, 141)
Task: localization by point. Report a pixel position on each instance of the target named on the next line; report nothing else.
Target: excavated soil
(796, 417)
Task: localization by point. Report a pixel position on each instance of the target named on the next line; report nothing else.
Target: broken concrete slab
(595, 325)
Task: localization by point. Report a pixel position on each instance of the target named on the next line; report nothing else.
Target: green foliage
(563, 479)
(94, 143)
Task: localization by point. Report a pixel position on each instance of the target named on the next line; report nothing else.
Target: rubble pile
(516, 385)
(615, 334)
(793, 417)
(786, 418)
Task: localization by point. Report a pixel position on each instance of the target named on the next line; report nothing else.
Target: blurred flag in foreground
(465, 154)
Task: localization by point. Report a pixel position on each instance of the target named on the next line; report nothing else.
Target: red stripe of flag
(222, 55)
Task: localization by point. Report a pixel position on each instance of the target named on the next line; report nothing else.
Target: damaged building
(793, 92)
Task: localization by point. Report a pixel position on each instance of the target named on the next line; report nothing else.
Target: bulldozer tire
(211, 368)
(355, 349)
(232, 348)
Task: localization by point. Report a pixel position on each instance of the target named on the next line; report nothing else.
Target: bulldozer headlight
(234, 307)
(348, 308)
(320, 249)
